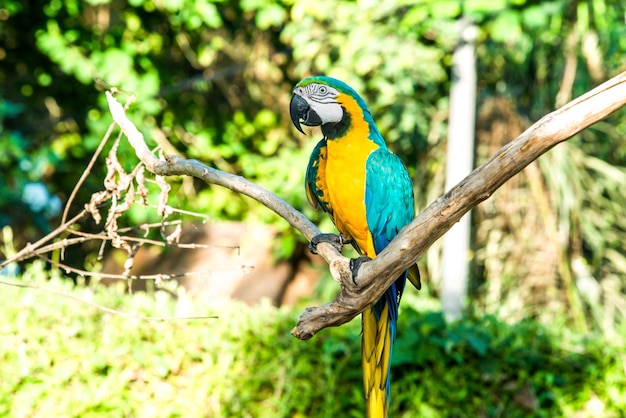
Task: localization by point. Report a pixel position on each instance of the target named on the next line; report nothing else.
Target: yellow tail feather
(375, 356)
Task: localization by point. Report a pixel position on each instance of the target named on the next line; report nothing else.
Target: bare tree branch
(413, 241)
(376, 276)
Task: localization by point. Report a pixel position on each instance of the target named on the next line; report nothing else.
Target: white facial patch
(323, 100)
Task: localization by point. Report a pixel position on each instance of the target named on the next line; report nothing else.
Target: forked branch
(376, 276)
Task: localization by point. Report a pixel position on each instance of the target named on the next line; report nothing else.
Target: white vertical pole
(459, 163)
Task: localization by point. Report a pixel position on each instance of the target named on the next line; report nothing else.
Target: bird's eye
(323, 90)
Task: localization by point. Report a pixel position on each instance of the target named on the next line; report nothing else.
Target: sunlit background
(542, 331)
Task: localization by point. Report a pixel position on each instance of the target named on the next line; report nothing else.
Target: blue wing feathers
(389, 202)
(389, 206)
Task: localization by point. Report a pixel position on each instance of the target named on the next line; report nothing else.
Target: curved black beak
(299, 109)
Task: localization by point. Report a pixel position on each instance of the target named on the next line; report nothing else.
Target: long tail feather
(379, 329)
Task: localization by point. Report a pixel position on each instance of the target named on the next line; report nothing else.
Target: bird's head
(320, 101)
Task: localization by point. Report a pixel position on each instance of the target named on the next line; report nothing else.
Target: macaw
(367, 192)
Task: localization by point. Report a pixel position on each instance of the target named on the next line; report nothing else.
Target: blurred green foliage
(212, 80)
(62, 358)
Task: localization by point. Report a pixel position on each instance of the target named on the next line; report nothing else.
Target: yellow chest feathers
(345, 177)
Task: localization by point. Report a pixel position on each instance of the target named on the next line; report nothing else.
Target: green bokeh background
(212, 81)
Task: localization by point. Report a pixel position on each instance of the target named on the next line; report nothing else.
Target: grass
(62, 358)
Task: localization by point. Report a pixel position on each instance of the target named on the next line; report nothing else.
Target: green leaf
(209, 13)
(484, 6)
(115, 66)
(271, 15)
(535, 17)
(480, 344)
(506, 27)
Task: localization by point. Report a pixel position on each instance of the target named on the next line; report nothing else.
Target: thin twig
(87, 171)
(102, 307)
(104, 237)
(29, 249)
(157, 277)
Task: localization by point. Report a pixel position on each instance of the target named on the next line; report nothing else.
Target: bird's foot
(337, 241)
(355, 264)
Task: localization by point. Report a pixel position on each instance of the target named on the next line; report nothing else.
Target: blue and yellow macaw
(368, 194)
